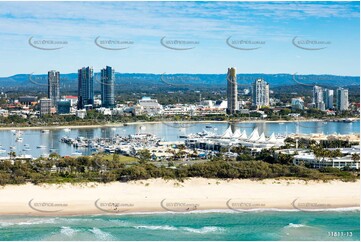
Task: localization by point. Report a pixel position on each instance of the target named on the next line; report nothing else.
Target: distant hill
(139, 81)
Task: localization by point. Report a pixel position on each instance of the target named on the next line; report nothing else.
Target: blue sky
(275, 24)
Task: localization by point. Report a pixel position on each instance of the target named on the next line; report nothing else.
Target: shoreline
(196, 195)
(151, 122)
(221, 211)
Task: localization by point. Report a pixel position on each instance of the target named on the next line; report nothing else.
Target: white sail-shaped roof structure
(272, 139)
(262, 138)
(237, 133)
(254, 136)
(228, 133)
(244, 135)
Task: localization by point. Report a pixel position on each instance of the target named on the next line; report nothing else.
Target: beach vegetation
(109, 168)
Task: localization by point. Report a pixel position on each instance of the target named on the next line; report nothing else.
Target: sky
(253, 37)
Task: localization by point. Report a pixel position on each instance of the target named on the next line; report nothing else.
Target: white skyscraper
(342, 99)
(318, 98)
(328, 98)
(260, 93)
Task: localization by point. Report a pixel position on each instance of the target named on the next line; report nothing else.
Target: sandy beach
(195, 194)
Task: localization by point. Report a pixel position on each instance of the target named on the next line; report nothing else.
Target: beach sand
(157, 195)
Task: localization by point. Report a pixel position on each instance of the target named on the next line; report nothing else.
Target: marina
(116, 144)
(36, 139)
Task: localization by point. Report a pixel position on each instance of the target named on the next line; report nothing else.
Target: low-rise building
(150, 106)
(4, 113)
(45, 106)
(27, 100)
(307, 158)
(73, 100)
(105, 111)
(81, 113)
(297, 103)
(64, 106)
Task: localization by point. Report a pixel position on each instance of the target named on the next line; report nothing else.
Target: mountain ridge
(188, 80)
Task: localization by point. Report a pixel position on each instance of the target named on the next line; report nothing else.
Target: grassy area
(118, 158)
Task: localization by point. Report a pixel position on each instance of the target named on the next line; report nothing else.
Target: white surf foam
(101, 235)
(27, 222)
(67, 231)
(204, 230)
(241, 211)
(153, 227)
(291, 225)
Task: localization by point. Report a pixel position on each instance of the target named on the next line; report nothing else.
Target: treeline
(95, 118)
(93, 169)
(309, 143)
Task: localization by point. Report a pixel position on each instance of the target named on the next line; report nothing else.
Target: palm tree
(355, 157)
(12, 154)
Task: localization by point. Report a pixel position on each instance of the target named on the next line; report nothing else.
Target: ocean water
(260, 225)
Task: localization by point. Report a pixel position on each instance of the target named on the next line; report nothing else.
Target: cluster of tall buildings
(260, 92)
(323, 98)
(85, 90)
(86, 87)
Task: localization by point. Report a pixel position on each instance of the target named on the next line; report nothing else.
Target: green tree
(144, 155)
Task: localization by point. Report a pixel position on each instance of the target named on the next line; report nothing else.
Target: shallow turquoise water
(262, 225)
